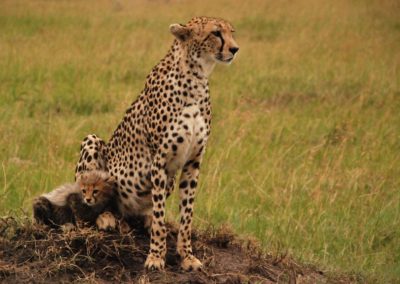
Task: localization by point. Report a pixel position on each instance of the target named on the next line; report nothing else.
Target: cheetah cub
(91, 199)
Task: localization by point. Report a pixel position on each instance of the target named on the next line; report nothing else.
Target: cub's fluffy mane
(93, 177)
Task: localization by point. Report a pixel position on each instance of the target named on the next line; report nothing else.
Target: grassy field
(305, 147)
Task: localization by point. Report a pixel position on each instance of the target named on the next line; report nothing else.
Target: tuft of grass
(304, 152)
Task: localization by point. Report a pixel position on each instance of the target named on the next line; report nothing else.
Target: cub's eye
(95, 191)
(84, 190)
(216, 33)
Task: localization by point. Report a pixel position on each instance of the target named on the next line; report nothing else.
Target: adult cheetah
(166, 130)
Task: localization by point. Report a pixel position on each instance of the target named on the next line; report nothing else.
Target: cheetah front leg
(156, 258)
(187, 190)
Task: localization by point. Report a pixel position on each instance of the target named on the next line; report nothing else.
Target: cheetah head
(96, 186)
(208, 39)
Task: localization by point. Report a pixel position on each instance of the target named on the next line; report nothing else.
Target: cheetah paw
(106, 221)
(191, 263)
(154, 263)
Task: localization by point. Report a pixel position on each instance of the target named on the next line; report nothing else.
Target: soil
(30, 253)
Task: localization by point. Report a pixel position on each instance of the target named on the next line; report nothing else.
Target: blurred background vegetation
(305, 147)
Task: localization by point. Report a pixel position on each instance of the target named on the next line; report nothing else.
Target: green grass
(305, 145)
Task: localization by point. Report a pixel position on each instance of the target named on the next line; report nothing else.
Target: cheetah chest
(188, 138)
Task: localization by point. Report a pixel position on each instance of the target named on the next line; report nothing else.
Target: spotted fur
(164, 131)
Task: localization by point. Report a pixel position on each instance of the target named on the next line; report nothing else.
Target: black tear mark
(223, 42)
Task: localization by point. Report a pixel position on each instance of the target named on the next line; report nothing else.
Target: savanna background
(305, 147)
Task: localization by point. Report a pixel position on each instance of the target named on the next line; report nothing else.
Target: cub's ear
(181, 32)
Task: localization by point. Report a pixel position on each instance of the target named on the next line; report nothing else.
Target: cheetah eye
(216, 33)
(95, 191)
(84, 190)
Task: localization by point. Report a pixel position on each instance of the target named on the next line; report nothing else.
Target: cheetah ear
(180, 31)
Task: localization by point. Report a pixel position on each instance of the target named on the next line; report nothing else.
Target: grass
(304, 152)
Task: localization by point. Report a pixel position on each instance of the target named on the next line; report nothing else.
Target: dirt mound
(31, 253)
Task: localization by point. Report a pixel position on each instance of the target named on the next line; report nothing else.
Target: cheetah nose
(88, 200)
(234, 50)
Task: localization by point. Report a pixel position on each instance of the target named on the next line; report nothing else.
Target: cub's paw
(191, 263)
(106, 221)
(154, 262)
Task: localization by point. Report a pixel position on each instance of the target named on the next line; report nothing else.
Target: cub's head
(96, 186)
(207, 38)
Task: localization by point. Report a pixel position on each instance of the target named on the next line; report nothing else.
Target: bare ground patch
(33, 254)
